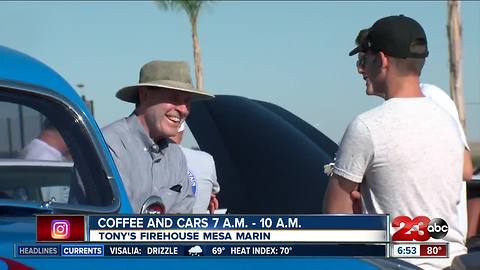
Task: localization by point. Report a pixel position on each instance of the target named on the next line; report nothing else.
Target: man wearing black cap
(405, 154)
(443, 100)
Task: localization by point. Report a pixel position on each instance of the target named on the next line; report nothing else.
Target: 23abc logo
(420, 228)
(60, 229)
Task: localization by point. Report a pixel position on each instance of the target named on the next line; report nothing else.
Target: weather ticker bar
(208, 250)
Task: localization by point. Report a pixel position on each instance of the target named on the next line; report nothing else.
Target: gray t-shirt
(147, 168)
(202, 166)
(410, 153)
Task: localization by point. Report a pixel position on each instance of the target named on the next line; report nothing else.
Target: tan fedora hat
(174, 75)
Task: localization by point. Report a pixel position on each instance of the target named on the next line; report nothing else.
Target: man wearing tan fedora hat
(149, 163)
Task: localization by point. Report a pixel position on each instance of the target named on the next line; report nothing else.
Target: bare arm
(467, 165)
(338, 199)
(213, 205)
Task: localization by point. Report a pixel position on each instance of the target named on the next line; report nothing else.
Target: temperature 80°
(433, 250)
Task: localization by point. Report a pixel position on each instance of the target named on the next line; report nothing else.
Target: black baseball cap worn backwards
(396, 36)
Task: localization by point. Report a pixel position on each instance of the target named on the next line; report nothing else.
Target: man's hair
(361, 37)
(137, 100)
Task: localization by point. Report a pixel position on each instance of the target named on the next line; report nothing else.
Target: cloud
(195, 249)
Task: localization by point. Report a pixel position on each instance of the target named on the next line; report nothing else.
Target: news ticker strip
(419, 250)
(208, 250)
(294, 222)
(233, 228)
(271, 236)
(213, 228)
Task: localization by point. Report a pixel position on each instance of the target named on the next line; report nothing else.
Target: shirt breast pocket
(170, 197)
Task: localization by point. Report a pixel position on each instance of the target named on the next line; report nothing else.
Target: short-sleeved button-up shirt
(148, 168)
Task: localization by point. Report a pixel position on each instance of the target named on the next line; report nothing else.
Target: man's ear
(142, 95)
(383, 59)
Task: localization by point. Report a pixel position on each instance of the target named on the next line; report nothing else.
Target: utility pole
(454, 31)
(87, 102)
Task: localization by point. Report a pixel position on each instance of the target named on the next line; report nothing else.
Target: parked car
(268, 160)
(31, 92)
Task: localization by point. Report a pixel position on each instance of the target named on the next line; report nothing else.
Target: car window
(46, 154)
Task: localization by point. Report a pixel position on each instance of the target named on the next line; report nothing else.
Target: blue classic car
(36, 102)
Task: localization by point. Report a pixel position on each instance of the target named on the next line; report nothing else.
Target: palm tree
(454, 31)
(192, 8)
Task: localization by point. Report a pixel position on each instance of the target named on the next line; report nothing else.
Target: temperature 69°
(218, 250)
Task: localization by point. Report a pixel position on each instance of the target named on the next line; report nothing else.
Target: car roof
(25, 69)
(265, 156)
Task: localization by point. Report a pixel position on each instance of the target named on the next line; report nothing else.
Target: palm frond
(191, 7)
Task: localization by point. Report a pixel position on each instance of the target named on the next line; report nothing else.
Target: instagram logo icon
(60, 229)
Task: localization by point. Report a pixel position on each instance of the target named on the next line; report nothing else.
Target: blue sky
(293, 54)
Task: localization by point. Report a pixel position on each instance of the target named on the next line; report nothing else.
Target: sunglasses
(361, 60)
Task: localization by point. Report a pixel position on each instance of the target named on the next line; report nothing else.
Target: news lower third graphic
(233, 236)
